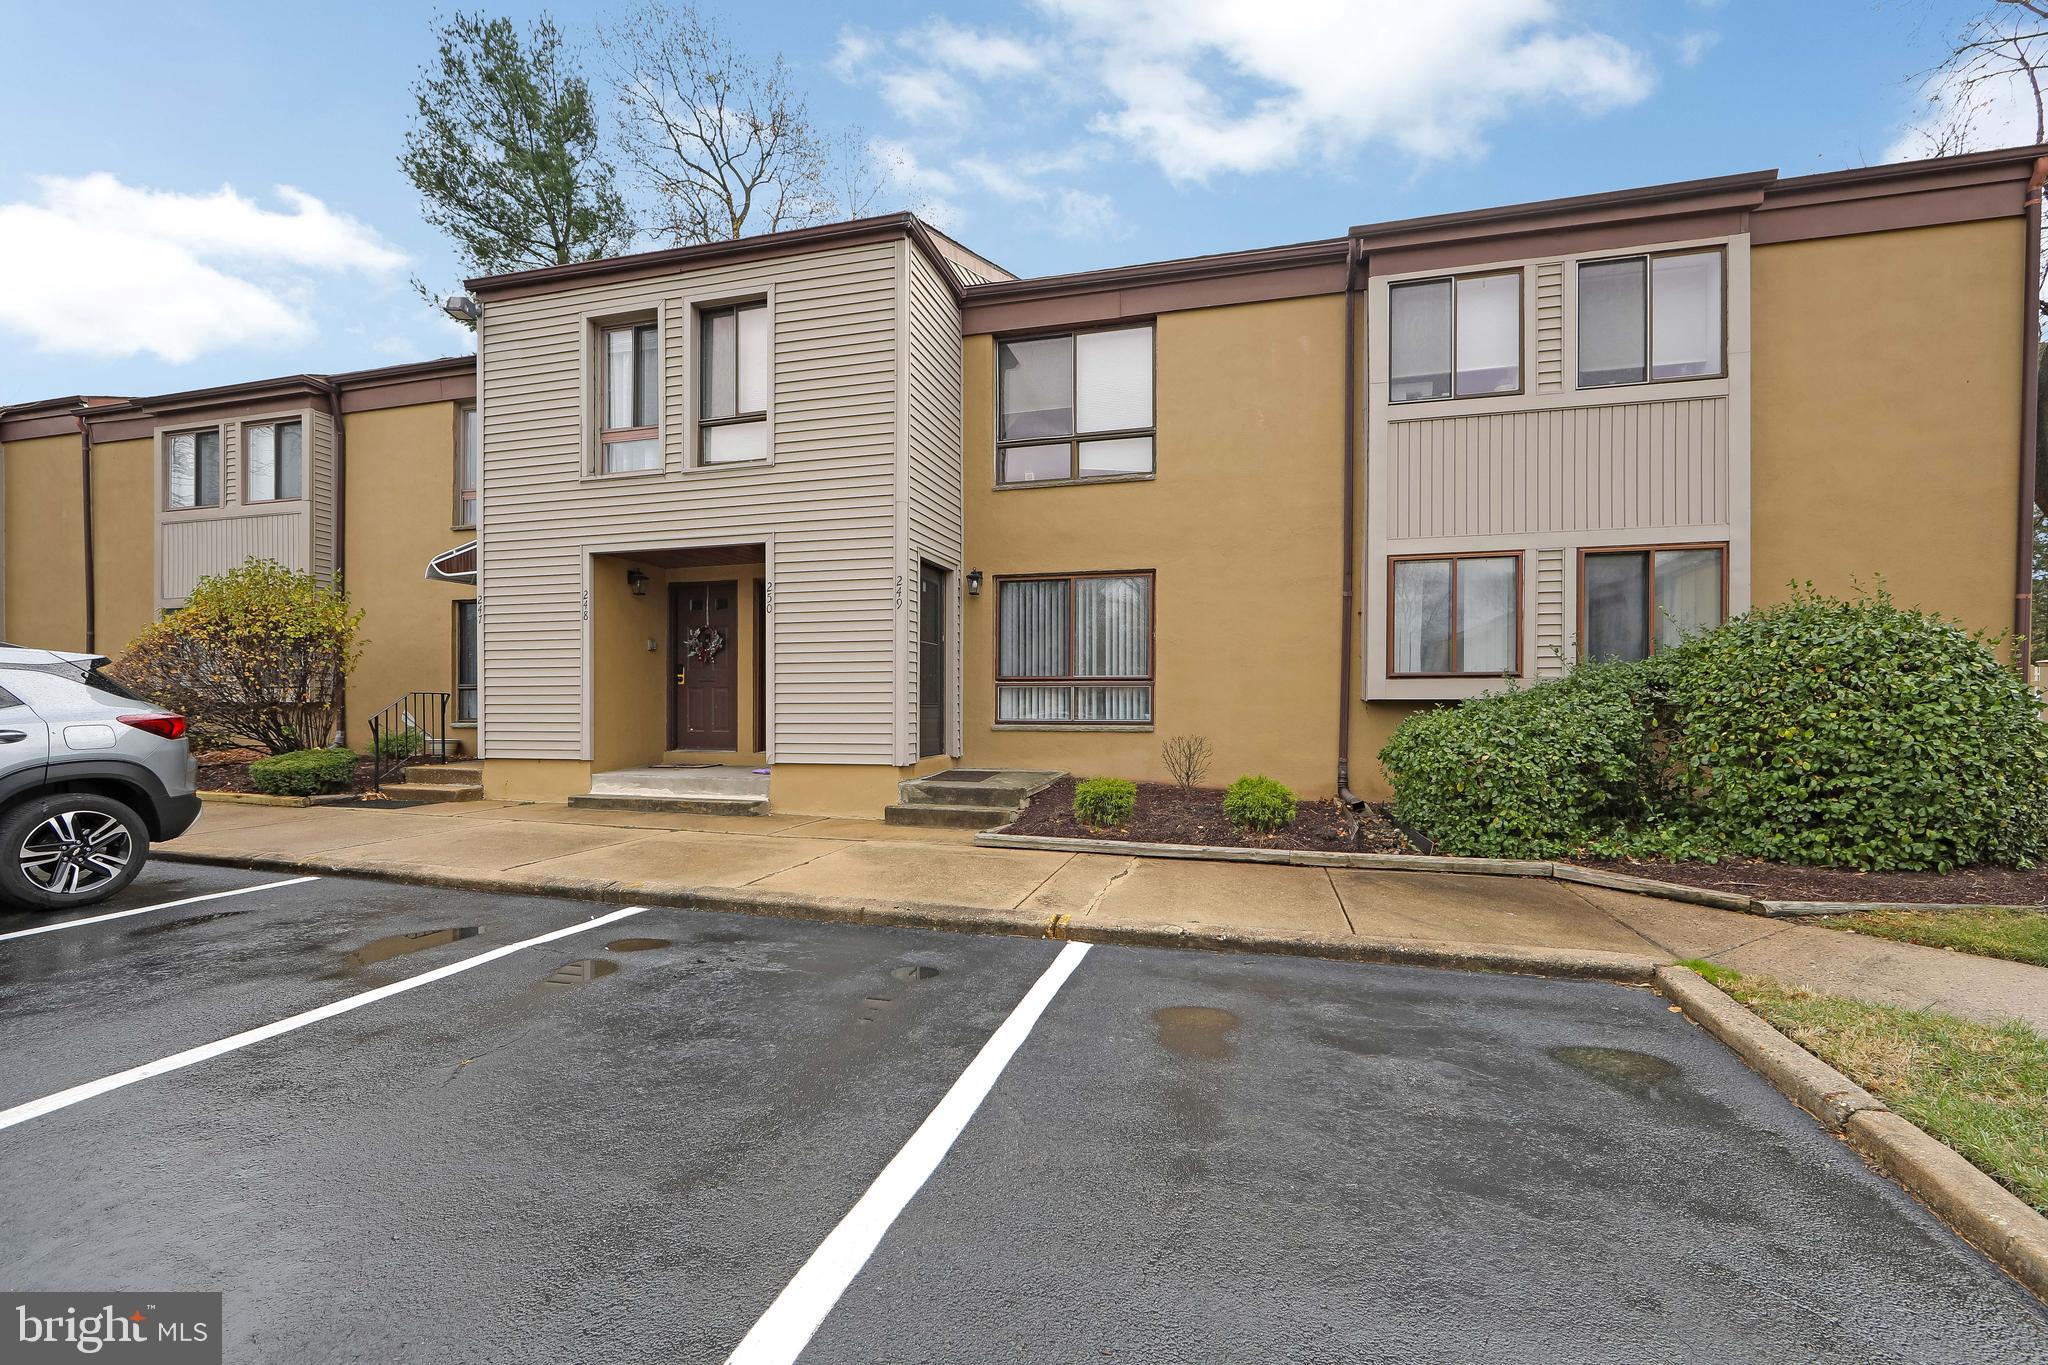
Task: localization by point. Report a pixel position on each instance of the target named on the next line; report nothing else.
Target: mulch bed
(1779, 882)
(227, 770)
(1167, 814)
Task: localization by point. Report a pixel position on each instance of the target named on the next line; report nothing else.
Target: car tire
(68, 850)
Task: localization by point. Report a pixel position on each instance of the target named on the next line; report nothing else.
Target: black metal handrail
(412, 730)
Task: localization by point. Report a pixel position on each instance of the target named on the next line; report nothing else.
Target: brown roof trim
(668, 260)
(1299, 270)
(1580, 210)
(1183, 270)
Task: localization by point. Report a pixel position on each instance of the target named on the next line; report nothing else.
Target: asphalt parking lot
(668, 1133)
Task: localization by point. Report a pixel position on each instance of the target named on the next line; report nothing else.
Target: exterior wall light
(974, 582)
(637, 581)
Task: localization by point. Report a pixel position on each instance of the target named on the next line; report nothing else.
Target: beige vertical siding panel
(188, 550)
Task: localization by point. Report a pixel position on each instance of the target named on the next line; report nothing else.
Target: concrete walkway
(791, 859)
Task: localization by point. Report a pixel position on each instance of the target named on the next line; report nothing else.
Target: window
(192, 469)
(1074, 650)
(1650, 318)
(1457, 338)
(732, 404)
(465, 663)
(274, 457)
(1455, 616)
(468, 462)
(630, 402)
(1634, 602)
(1075, 407)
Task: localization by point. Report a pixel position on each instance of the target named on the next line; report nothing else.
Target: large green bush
(304, 772)
(1855, 734)
(1820, 731)
(1259, 804)
(1100, 802)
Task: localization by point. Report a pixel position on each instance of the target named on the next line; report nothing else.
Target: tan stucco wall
(628, 681)
(1241, 524)
(535, 779)
(124, 540)
(401, 472)
(45, 543)
(1886, 415)
(854, 790)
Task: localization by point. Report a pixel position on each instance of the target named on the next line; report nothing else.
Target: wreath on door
(703, 643)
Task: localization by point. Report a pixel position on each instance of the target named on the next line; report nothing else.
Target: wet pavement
(622, 1143)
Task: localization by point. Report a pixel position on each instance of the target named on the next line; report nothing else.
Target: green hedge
(404, 743)
(1850, 733)
(1259, 804)
(305, 772)
(1101, 802)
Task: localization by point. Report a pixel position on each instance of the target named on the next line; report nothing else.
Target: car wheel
(72, 849)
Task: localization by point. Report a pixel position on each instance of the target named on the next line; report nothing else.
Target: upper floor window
(274, 461)
(192, 468)
(1458, 615)
(1075, 407)
(732, 407)
(1455, 338)
(468, 462)
(630, 433)
(1634, 602)
(1654, 317)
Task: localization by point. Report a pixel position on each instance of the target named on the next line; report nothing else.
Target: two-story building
(852, 505)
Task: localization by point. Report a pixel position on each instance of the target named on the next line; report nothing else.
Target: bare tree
(720, 145)
(1187, 759)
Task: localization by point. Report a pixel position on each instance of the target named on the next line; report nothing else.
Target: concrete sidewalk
(790, 863)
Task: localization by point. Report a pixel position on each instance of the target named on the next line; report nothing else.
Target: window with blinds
(274, 461)
(1073, 407)
(1074, 650)
(192, 469)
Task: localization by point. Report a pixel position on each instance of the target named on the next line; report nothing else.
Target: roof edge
(1323, 251)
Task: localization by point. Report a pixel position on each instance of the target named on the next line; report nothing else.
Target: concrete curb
(253, 799)
(1583, 965)
(1795, 908)
(1983, 1212)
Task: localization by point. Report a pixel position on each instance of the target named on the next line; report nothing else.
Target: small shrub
(1259, 804)
(1101, 802)
(401, 743)
(1187, 759)
(304, 772)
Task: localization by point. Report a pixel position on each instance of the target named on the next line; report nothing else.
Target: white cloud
(988, 55)
(99, 267)
(925, 95)
(1693, 47)
(1997, 112)
(1088, 217)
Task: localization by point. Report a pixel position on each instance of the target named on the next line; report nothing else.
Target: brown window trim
(1650, 584)
(1519, 556)
(1521, 334)
(1150, 679)
(1074, 440)
(1649, 311)
(220, 481)
(608, 436)
(704, 359)
(464, 413)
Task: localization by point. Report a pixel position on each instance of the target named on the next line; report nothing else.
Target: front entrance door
(703, 633)
(931, 661)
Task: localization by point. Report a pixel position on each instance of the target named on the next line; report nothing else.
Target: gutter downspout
(1352, 399)
(2030, 390)
(340, 519)
(85, 484)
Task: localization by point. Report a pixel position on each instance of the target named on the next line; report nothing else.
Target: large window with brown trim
(1458, 337)
(732, 400)
(273, 461)
(468, 463)
(1454, 616)
(1633, 602)
(1077, 406)
(1654, 317)
(1074, 649)
(629, 398)
(192, 469)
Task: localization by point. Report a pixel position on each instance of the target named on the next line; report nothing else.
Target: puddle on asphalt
(1196, 1031)
(148, 929)
(580, 973)
(913, 971)
(398, 945)
(1617, 1066)
(637, 945)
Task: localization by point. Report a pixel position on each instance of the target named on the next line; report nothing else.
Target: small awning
(454, 566)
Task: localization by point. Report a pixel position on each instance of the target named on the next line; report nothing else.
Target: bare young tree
(720, 145)
(1187, 759)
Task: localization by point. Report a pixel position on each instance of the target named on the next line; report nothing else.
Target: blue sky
(197, 194)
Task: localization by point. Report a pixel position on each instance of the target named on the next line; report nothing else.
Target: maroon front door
(703, 632)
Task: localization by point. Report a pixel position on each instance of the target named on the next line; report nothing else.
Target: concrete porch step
(1004, 790)
(933, 816)
(673, 804)
(447, 774)
(433, 791)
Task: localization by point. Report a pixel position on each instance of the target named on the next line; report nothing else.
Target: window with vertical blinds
(1074, 650)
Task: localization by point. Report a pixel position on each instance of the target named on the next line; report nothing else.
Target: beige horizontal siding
(1551, 634)
(1614, 467)
(1550, 313)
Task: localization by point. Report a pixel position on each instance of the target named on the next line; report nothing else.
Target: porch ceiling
(702, 556)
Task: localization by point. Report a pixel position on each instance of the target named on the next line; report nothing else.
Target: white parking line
(781, 1333)
(64, 1099)
(145, 909)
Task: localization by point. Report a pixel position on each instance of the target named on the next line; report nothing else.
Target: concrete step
(1007, 790)
(947, 817)
(677, 805)
(432, 791)
(447, 774)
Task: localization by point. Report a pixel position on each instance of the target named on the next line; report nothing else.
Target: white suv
(89, 775)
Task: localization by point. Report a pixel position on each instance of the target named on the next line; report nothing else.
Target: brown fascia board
(669, 260)
(1683, 197)
(1301, 270)
(1183, 270)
